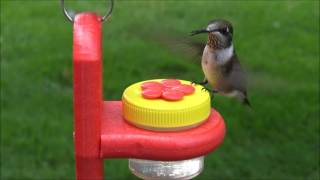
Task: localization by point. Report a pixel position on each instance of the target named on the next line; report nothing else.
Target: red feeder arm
(99, 128)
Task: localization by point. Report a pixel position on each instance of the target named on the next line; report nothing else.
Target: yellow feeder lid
(161, 113)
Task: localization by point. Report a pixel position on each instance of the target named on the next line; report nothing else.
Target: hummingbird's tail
(246, 102)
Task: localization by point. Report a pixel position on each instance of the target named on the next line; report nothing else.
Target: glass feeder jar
(166, 105)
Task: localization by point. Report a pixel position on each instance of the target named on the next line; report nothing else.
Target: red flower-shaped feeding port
(168, 89)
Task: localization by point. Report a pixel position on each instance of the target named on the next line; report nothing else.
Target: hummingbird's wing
(184, 45)
(176, 43)
(235, 75)
(236, 79)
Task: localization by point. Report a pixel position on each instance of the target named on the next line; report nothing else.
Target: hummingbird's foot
(206, 89)
(212, 93)
(211, 96)
(194, 83)
(200, 83)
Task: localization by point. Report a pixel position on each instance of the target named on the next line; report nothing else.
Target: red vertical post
(87, 78)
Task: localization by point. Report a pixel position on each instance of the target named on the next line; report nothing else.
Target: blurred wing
(183, 45)
(236, 75)
(176, 43)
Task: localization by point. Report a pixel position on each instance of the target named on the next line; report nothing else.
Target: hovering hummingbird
(220, 64)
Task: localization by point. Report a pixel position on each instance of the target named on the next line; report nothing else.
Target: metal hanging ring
(104, 18)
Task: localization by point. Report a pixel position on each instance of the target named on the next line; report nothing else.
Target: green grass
(278, 43)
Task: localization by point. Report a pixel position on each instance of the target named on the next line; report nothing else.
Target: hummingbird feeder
(164, 127)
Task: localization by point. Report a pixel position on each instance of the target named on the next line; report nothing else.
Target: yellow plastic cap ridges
(158, 113)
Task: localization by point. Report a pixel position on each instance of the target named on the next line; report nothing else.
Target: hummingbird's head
(219, 33)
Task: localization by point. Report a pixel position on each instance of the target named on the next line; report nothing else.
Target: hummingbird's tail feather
(246, 102)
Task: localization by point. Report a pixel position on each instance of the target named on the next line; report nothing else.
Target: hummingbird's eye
(224, 31)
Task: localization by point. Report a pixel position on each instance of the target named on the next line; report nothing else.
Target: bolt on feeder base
(164, 170)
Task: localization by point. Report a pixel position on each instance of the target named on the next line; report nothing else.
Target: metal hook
(104, 18)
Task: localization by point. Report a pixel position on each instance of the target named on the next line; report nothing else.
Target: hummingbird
(220, 64)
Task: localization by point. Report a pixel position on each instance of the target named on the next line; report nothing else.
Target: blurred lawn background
(277, 41)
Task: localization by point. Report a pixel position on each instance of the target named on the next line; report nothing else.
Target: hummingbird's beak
(202, 31)
(199, 31)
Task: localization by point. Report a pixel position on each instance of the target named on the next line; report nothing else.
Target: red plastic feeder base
(122, 140)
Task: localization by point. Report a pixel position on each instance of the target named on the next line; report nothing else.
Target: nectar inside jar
(166, 105)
